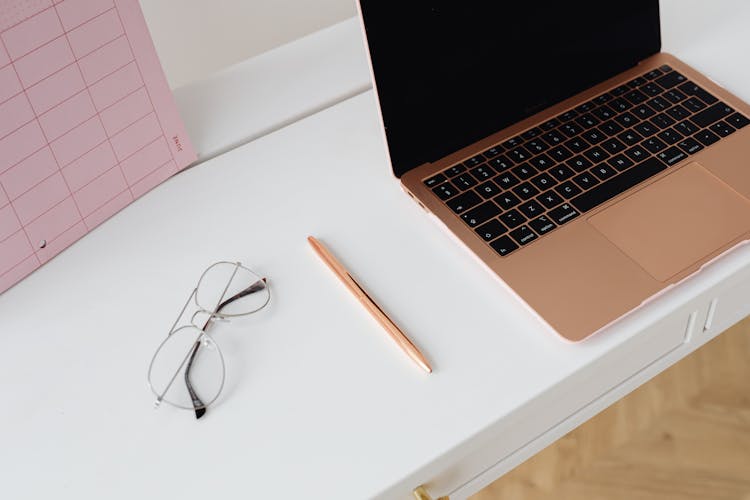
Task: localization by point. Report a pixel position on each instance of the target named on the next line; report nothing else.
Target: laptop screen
(449, 73)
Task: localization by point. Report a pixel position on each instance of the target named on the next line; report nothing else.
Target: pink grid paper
(87, 123)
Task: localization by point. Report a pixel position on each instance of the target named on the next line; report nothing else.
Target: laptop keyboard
(518, 191)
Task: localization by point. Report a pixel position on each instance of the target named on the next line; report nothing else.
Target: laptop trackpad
(676, 221)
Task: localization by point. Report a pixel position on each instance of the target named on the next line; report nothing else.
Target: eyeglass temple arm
(198, 405)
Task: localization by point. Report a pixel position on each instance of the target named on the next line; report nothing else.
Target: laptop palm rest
(676, 221)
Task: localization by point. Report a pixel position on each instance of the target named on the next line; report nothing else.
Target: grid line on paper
(147, 92)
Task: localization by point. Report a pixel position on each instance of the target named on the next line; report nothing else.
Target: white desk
(319, 403)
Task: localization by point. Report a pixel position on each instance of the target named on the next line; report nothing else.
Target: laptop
(584, 167)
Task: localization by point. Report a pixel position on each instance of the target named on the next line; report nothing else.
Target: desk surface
(319, 403)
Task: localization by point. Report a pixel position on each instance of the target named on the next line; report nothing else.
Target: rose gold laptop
(585, 168)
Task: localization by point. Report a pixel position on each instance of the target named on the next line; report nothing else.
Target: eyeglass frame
(198, 406)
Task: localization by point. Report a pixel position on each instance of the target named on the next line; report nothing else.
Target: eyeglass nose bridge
(206, 317)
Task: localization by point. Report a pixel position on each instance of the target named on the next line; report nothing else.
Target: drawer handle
(421, 494)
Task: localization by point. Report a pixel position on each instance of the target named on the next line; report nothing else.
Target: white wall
(197, 37)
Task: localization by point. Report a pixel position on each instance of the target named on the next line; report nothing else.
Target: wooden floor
(683, 435)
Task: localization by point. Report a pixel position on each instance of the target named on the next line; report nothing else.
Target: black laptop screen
(449, 73)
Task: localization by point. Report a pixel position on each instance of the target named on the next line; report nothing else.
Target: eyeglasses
(187, 370)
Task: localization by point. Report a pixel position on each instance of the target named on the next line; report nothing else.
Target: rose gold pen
(396, 334)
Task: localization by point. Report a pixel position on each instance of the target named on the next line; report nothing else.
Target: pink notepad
(87, 123)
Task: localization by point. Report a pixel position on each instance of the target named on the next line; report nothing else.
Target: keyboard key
(541, 162)
(643, 112)
(567, 116)
(712, 114)
(636, 97)
(596, 154)
(507, 200)
(737, 120)
(603, 113)
(567, 189)
(686, 128)
(669, 136)
(531, 133)
(550, 124)
(564, 213)
(474, 161)
(465, 181)
(483, 172)
(620, 105)
(579, 163)
(646, 129)
(512, 142)
(618, 184)
(594, 136)
(523, 235)
(455, 170)
(577, 145)
(637, 82)
(550, 199)
(525, 191)
(536, 146)
(561, 172)
(691, 88)
(585, 107)
(627, 119)
(637, 154)
(524, 171)
(491, 230)
(512, 218)
(630, 137)
(601, 99)
(620, 162)
(654, 144)
(665, 68)
(622, 89)
(493, 151)
(706, 137)
(543, 181)
(670, 80)
(587, 121)
(519, 154)
(445, 191)
(613, 146)
(690, 145)
(674, 96)
(503, 245)
(611, 128)
(465, 201)
(480, 214)
(488, 190)
(531, 209)
(672, 156)
(722, 128)
(506, 180)
(542, 225)
(560, 153)
(500, 163)
(554, 138)
(571, 129)
(678, 112)
(654, 73)
(603, 172)
(652, 89)
(662, 120)
(434, 180)
(694, 104)
(586, 180)
(659, 104)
